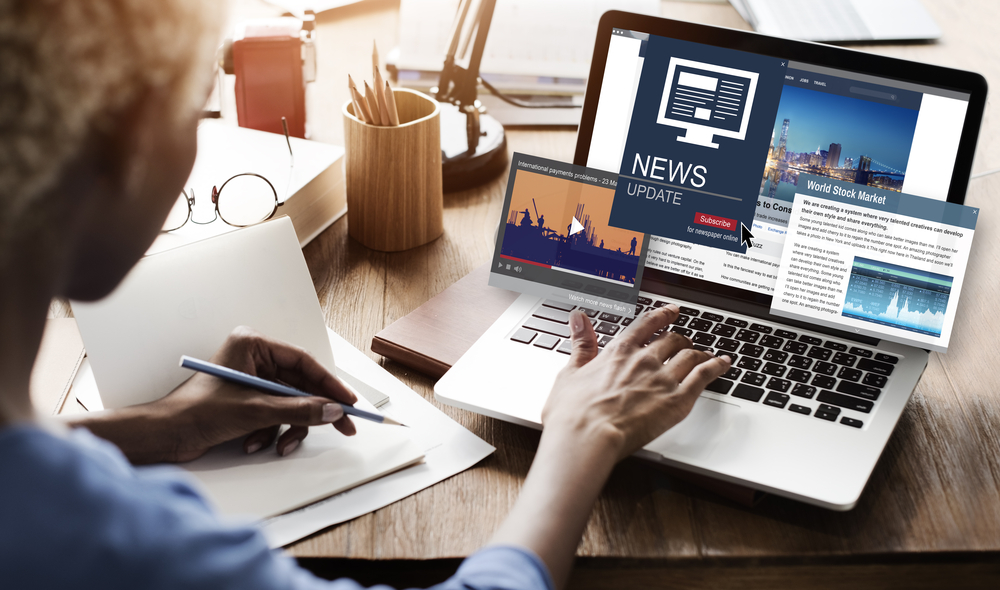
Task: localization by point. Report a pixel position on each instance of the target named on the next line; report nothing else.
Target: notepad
(187, 301)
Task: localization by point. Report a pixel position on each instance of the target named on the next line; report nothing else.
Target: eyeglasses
(243, 200)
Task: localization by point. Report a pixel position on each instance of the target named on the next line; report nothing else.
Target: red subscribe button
(715, 221)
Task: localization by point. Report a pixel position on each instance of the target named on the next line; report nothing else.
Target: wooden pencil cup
(393, 175)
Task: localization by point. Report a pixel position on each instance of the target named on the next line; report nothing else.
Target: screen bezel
(741, 300)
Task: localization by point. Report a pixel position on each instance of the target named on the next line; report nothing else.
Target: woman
(98, 114)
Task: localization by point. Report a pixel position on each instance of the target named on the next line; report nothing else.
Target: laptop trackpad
(708, 426)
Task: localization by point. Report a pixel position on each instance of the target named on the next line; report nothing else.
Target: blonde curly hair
(66, 66)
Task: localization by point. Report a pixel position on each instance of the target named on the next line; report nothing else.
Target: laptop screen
(820, 122)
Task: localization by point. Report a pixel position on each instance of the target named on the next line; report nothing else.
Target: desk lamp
(473, 144)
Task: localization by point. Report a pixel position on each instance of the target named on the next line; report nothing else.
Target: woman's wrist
(138, 431)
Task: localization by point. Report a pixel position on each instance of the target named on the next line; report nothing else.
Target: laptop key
(875, 367)
(781, 385)
(523, 336)
(761, 328)
(774, 369)
(733, 373)
(638, 309)
(852, 422)
(795, 347)
(775, 356)
(863, 353)
(702, 348)
(838, 346)
(820, 353)
(750, 364)
(842, 358)
(825, 368)
(723, 330)
(803, 390)
(703, 339)
(627, 321)
(559, 305)
(609, 317)
(554, 315)
(682, 331)
(737, 322)
(800, 409)
(720, 385)
(753, 378)
(824, 382)
(712, 317)
(747, 392)
(800, 362)
(778, 400)
(799, 375)
(825, 415)
(682, 320)
(845, 401)
(546, 341)
(772, 341)
(752, 350)
(662, 303)
(604, 341)
(785, 334)
(865, 391)
(810, 339)
(885, 358)
(644, 300)
(699, 325)
(874, 380)
(727, 344)
(591, 313)
(688, 310)
(747, 336)
(607, 328)
(566, 347)
(849, 374)
(540, 325)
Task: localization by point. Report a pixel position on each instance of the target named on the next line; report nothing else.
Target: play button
(575, 227)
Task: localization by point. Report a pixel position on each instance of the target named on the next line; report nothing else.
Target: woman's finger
(291, 439)
(584, 339)
(260, 439)
(668, 345)
(698, 369)
(647, 324)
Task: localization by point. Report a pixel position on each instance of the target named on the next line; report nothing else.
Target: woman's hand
(205, 411)
(603, 407)
(630, 393)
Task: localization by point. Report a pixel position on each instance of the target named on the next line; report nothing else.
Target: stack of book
(309, 180)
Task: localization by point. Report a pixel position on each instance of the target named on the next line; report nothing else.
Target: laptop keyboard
(806, 374)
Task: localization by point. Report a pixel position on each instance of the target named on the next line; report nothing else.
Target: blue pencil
(272, 388)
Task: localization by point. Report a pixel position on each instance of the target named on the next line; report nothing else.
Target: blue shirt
(75, 514)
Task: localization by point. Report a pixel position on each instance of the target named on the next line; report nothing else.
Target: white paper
(325, 463)
(449, 449)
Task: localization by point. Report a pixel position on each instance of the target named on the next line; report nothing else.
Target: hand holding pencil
(377, 106)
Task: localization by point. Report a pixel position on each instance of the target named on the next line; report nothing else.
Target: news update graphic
(707, 100)
(697, 141)
(897, 296)
(555, 240)
(822, 133)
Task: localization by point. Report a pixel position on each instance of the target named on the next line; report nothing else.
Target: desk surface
(934, 491)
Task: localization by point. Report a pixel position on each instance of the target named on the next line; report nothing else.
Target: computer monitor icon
(707, 100)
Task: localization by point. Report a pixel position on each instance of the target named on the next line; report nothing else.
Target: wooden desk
(930, 516)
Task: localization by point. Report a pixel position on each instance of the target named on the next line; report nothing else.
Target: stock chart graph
(897, 296)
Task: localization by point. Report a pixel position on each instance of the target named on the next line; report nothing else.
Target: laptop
(808, 407)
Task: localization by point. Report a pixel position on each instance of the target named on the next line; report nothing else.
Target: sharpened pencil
(272, 388)
(373, 105)
(374, 58)
(383, 108)
(390, 102)
(360, 107)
